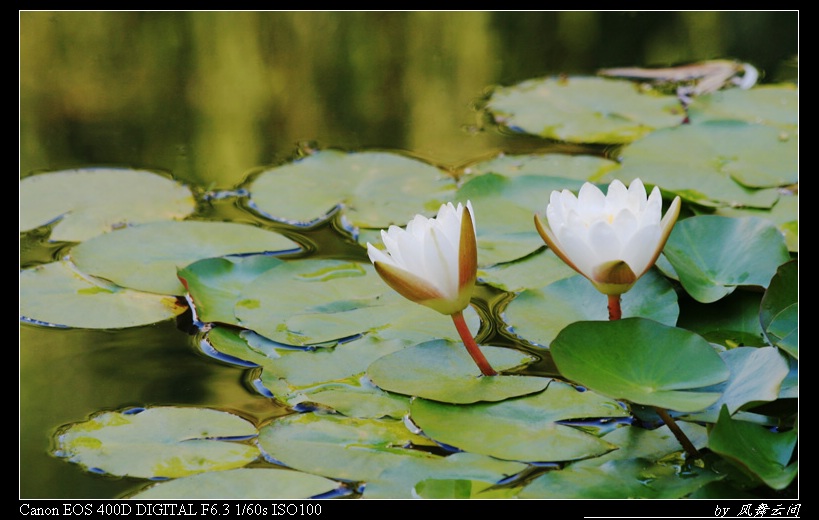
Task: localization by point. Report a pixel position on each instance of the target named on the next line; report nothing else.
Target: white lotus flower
(434, 262)
(611, 239)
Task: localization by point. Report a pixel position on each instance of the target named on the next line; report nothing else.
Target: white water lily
(434, 262)
(612, 239)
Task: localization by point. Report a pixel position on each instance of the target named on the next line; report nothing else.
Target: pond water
(213, 98)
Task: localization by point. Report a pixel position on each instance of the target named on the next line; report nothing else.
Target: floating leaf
(402, 480)
(732, 321)
(460, 488)
(583, 109)
(375, 189)
(58, 294)
(576, 167)
(779, 310)
(756, 377)
(444, 371)
(147, 257)
(159, 442)
(536, 270)
(659, 444)
(713, 255)
(523, 429)
(720, 163)
(775, 105)
(642, 361)
(504, 212)
(785, 214)
(242, 483)
(619, 479)
(215, 284)
(91, 201)
(340, 447)
(764, 453)
(362, 400)
(538, 315)
(314, 301)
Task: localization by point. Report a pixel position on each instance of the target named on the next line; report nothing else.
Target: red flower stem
(471, 346)
(614, 307)
(678, 433)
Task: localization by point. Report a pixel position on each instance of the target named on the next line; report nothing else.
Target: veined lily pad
(340, 447)
(583, 109)
(308, 302)
(215, 284)
(376, 189)
(404, 479)
(732, 321)
(720, 163)
(757, 375)
(536, 270)
(755, 449)
(775, 105)
(522, 429)
(642, 361)
(159, 442)
(58, 294)
(713, 255)
(779, 310)
(576, 167)
(619, 479)
(444, 371)
(785, 214)
(88, 202)
(538, 315)
(146, 257)
(242, 484)
(504, 212)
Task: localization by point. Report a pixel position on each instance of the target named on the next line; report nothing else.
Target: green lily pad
(324, 377)
(147, 257)
(779, 310)
(642, 361)
(314, 301)
(57, 294)
(619, 479)
(504, 212)
(583, 109)
(538, 315)
(755, 449)
(720, 163)
(338, 447)
(460, 488)
(577, 167)
(756, 377)
(375, 189)
(775, 105)
(732, 321)
(404, 479)
(522, 429)
(536, 270)
(713, 255)
(159, 442)
(785, 214)
(214, 284)
(243, 484)
(659, 444)
(355, 400)
(91, 201)
(444, 371)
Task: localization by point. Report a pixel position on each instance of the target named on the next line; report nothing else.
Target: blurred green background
(207, 96)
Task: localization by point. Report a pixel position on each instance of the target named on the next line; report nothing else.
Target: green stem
(471, 346)
(614, 307)
(678, 433)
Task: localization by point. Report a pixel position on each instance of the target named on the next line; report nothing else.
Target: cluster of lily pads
(384, 401)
